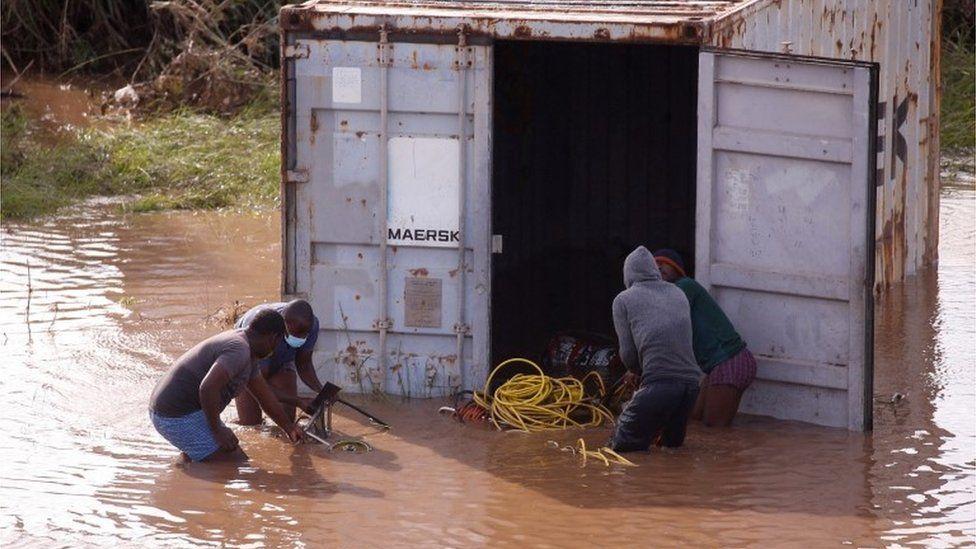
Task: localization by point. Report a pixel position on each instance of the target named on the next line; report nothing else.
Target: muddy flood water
(113, 299)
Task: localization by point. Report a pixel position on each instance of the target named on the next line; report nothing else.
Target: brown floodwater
(114, 298)
(58, 104)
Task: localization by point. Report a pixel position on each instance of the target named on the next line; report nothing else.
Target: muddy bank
(63, 143)
(114, 298)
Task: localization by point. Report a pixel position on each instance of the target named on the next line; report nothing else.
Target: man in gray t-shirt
(186, 403)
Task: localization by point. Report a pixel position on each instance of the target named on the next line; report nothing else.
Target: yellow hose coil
(537, 402)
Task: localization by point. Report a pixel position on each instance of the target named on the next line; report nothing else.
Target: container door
(389, 183)
(784, 229)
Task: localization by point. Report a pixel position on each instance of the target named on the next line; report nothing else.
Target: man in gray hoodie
(653, 323)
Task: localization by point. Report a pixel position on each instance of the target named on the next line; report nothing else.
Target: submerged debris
(227, 315)
(605, 454)
(351, 445)
(893, 398)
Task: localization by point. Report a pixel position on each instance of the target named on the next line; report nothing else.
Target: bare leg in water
(717, 405)
(284, 382)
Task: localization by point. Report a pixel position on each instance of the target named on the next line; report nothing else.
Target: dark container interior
(593, 153)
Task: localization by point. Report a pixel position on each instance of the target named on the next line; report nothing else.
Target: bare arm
(215, 380)
(303, 365)
(269, 402)
(284, 398)
(628, 350)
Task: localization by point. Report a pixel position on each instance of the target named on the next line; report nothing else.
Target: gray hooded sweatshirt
(653, 323)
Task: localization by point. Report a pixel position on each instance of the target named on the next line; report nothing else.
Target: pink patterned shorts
(738, 371)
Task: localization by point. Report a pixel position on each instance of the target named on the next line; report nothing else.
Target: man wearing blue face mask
(292, 359)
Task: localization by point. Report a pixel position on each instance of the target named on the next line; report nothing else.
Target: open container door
(785, 212)
(386, 201)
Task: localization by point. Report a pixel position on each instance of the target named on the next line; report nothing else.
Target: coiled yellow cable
(537, 402)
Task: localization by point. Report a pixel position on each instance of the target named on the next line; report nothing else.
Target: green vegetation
(199, 161)
(177, 160)
(959, 93)
(42, 172)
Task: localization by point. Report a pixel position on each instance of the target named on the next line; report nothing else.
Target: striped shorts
(190, 433)
(738, 371)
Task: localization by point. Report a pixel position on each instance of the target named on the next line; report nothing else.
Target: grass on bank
(179, 160)
(958, 124)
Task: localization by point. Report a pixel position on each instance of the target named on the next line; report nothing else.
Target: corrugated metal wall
(594, 152)
(903, 37)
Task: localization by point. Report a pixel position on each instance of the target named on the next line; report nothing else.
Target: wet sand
(115, 298)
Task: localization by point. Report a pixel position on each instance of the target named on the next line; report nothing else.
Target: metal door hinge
(299, 175)
(297, 51)
(384, 49)
(462, 53)
(383, 324)
(462, 329)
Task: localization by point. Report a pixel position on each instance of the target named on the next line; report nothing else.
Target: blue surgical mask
(295, 342)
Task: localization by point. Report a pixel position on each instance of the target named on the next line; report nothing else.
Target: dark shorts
(738, 371)
(657, 408)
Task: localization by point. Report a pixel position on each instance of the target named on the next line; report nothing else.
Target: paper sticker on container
(422, 302)
(347, 85)
(423, 192)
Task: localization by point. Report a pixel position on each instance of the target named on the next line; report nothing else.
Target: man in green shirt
(719, 350)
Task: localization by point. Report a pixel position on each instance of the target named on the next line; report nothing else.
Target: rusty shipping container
(461, 180)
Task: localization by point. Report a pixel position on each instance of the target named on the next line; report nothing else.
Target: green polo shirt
(713, 337)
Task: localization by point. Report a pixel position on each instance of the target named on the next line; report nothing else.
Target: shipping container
(462, 180)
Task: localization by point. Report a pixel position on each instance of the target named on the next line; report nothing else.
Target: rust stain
(313, 123)
(656, 21)
(362, 202)
(522, 31)
(930, 252)
(421, 272)
(875, 27)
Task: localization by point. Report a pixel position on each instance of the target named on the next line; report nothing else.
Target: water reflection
(114, 298)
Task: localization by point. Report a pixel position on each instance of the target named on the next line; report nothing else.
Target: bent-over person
(291, 360)
(653, 325)
(186, 403)
(719, 349)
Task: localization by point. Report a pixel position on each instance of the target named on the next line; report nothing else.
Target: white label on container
(423, 192)
(347, 85)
